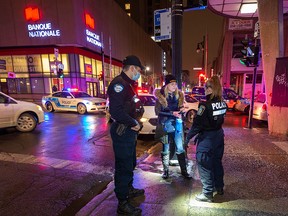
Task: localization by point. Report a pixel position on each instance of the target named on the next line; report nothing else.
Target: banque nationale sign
(42, 30)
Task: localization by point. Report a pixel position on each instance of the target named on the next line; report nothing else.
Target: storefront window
(34, 63)
(81, 63)
(65, 62)
(9, 66)
(99, 67)
(20, 63)
(19, 85)
(37, 85)
(46, 63)
(249, 78)
(11, 83)
(94, 68)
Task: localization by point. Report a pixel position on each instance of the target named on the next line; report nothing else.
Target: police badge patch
(201, 110)
(118, 88)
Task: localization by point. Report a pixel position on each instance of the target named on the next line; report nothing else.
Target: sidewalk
(256, 173)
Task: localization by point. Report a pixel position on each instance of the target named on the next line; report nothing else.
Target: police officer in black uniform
(126, 110)
(207, 125)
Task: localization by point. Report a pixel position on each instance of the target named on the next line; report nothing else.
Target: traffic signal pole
(256, 58)
(177, 17)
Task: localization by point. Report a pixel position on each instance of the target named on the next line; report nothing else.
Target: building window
(37, 85)
(249, 78)
(127, 7)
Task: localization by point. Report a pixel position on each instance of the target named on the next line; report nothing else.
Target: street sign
(56, 52)
(60, 66)
(162, 24)
(11, 75)
(257, 30)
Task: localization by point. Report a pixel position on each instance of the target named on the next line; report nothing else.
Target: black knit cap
(133, 60)
(169, 79)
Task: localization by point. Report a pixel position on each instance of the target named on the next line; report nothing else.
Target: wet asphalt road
(64, 163)
(59, 167)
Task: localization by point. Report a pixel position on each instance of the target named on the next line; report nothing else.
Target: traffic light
(201, 78)
(60, 73)
(250, 54)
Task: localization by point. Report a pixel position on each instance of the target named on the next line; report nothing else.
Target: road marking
(283, 145)
(55, 163)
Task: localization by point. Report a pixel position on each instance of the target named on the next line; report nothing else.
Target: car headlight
(39, 108)
(144, 119)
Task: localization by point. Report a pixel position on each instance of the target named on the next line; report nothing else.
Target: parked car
(24, 116)
(233, 100)
(73, 100)
(191, 105)
(260, 108)
(150, 119)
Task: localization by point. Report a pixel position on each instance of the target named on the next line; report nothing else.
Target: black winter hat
(133, 60)
(169, 79)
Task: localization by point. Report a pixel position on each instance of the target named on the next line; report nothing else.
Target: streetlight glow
(248, 8)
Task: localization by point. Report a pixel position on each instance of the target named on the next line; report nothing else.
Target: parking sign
(162, 24)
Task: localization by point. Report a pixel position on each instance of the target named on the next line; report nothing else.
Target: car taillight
(264, 107)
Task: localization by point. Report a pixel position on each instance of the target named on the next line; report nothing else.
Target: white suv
(20, 114)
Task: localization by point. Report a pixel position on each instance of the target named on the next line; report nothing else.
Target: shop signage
(34, 63)
(32, 14)
(42, 30)
(238, 24)
(11, 75)
(89, 21)
(39, 29)
(93, 38)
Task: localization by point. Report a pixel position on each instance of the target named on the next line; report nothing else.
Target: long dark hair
(215, 85)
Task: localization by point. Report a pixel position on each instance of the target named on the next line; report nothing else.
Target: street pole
(103, 60)
(256, 58)
(177, 16)
(206, 54)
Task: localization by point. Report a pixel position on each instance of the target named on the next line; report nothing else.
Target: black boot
(165, 162)
(182, 162)
(125, 208)
(134, 192)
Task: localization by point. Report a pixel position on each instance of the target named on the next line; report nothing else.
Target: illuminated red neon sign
(89, 21)
(32, 14)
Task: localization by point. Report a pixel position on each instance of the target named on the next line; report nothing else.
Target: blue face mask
(136, 76)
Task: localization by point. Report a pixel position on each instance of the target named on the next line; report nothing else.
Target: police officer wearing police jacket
(125, 109)
(207, 125)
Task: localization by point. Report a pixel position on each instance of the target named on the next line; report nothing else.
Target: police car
(73, 100)
(191, 106)
(24, 116)
(149, 118)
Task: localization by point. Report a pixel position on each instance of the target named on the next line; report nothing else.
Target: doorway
(92, 89)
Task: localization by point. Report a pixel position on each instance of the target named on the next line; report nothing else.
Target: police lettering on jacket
(219, 108)
(210, 116)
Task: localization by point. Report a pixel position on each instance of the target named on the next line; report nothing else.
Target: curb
(96, 201)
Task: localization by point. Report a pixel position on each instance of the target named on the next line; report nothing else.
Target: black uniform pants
(124, 147)
(209, 153)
